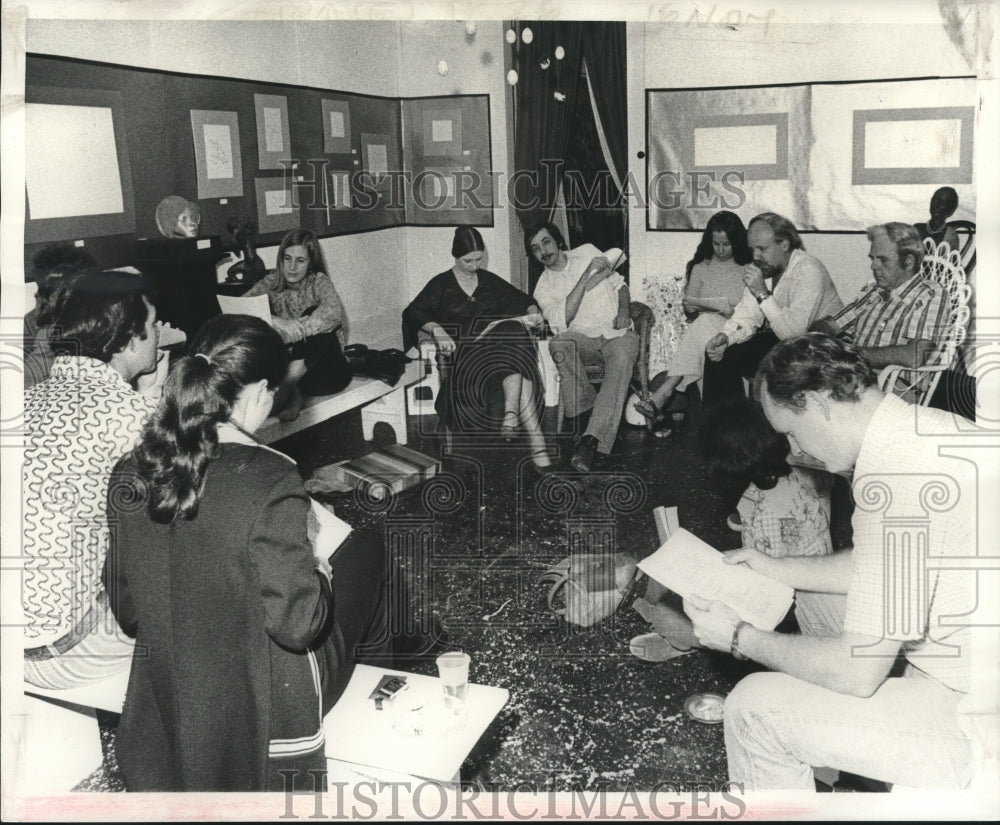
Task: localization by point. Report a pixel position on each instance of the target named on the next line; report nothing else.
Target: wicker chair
(966, 230)
(642, 320)
(943, 265)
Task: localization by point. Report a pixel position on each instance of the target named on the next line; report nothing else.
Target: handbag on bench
(386, 365)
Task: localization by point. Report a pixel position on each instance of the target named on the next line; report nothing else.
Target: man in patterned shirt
(896, 318)
(832, 701)
(78, 423)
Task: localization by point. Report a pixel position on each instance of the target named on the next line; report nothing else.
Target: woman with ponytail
(242, 636)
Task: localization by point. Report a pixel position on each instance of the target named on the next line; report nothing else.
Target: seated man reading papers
(831, 701)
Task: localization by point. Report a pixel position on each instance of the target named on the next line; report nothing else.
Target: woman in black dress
(482, 327)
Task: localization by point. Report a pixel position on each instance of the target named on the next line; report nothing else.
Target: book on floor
(691, 567)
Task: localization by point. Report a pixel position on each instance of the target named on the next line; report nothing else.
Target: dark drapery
(542, 129)
(604, 51)
(543, 123)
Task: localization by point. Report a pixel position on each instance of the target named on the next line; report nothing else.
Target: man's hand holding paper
(714, 622)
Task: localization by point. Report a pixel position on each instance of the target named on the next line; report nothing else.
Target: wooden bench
(377, 400)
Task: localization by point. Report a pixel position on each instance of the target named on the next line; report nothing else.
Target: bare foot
(292, 409)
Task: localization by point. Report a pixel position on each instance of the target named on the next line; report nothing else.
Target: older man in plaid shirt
(896, 318)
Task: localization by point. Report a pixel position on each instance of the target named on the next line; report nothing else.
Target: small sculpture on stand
(177, 217)
(251, 269)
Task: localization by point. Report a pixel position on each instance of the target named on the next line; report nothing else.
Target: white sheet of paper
(273, 139)
(441, 131)
(71, 161)
(325, 530)
(218, 151)
(336, 124)
(616, 257)
(257, 305)
(277, 202)
(689, 566)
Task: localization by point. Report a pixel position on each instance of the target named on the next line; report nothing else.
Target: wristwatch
(734, 645)
(762, 296)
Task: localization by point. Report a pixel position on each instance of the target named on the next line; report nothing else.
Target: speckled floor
(583, 712)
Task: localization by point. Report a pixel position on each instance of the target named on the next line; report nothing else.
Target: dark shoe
(583, 456)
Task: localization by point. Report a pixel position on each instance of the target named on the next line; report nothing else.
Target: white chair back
(943, 265)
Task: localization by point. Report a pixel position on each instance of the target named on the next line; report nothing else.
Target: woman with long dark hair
(481, 325)
(714, 287)
(243, 637)
(309, 316)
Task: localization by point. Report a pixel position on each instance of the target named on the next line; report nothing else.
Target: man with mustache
(587, 305)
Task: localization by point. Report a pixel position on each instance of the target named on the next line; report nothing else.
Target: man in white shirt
(587, 305)
(800, 292)
(832, 701)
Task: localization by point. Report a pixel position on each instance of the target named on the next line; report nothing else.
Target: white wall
(797, 44)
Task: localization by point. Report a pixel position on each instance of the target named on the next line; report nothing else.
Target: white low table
(383, 745)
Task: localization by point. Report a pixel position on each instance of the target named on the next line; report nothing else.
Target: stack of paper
(258, 306)
(690, 567)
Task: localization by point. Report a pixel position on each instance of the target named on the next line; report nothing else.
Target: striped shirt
(915, 309)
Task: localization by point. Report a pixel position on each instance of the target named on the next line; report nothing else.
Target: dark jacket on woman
(471, 395)
(442, 300)
(235, 635)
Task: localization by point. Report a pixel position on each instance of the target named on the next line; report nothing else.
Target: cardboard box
(390, 470)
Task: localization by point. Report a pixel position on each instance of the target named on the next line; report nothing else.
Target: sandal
(541, 455)
(509, 427)
(647, 409)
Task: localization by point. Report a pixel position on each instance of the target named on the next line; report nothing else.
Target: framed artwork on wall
(442, 132)
(446, 148)
(336, 126)
(273, 141)
(218, 160)
(919, 145)
(434, 188)
(276, 209)
(828, 156)
(78, 180)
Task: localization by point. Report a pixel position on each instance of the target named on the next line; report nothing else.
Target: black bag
(385, 365)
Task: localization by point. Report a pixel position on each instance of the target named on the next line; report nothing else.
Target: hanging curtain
(606, 65)
(604, 51)
(541, 131)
